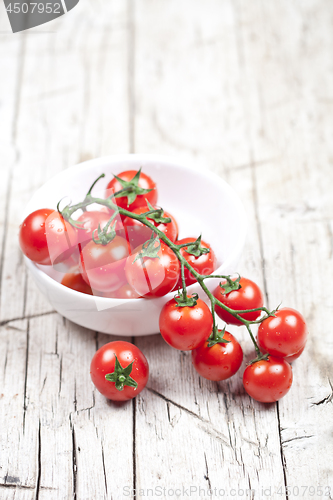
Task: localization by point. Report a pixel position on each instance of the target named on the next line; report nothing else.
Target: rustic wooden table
(244, 89)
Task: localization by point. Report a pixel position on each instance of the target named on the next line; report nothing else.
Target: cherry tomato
(76, 282)
(104, 363)
(144, 182)
(124, 292)
(138, 233)
(220, 361)
(249, 296)
(90, 221)
(283, 335)
(103, 266)
(268, 380)
(187, 327)
(204, 264)
(46, 237)
(153, 276)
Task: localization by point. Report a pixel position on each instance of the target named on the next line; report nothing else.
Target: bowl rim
(135, 157)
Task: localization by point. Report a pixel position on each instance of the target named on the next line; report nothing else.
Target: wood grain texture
(240, 88)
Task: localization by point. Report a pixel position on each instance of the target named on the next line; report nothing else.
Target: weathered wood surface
(244, 89)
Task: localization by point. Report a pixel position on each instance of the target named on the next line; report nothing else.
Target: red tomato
(153, 276)
(104, 363)
(102, 266)
(145, 182)
(283, 335)
(46, 237)
(249, 296)
(124, 292)
(90, 221)
(138, 233)
(220, 361)
(204, 264)
(76, 282)
(268, 380)
(185, 328)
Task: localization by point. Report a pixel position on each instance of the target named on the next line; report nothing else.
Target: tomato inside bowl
(201, 202)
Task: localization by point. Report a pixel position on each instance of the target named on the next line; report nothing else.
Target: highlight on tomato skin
(104, 363)
(219, 362)
(185, 328)
(268, 380)
(248, 296)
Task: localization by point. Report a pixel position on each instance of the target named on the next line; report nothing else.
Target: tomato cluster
(129, 249)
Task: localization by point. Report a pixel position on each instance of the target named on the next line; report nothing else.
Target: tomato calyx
(260, 357)
(230, 285)
(131, 189)
(217, 337)
(187, 300)
(121, 376)
(150, 248)
(196, 248)
(156, 214)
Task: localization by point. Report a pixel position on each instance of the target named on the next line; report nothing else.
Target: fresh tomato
(248, 296)
(119, 370)
(124, 292)
(187, 327)
(220, 361)
(136, 181)
(76, 282)
(203, 264)
(283, 335)
(138, 233)
(90, 222)
(153, 276)
(46, 237)
(103, 266)
(268, 380)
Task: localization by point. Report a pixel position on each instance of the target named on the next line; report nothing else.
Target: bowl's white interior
(201, 202)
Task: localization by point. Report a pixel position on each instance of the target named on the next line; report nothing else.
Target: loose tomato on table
(140, 187)
(199, 255)
(103, 265)
(46, 238)
(137, 233)
(76, 282)
(152, 270)
(248, 296)
(185, 327)
(119, 370)
(283, 334)
(220, 361)
(268, 380)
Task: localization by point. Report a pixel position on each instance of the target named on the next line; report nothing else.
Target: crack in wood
(31, 316)
(25, 406)
(39, 461)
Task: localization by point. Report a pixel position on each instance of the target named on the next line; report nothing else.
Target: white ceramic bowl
(202, 203)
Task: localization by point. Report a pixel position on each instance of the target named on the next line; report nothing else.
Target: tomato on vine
(119, 370)
(138, 186)
(199, 255)
(219, 361)
(183, 326)
(137, 233)
(152, 271)
(283, 334)
(238, 294)
(89, 222)
(268, 380)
